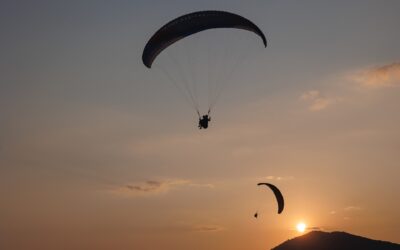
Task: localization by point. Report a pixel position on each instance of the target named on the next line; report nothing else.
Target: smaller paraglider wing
(278, 196)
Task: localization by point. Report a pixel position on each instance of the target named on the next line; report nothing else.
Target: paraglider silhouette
(278, 196)
(203, 122)
(188, 25)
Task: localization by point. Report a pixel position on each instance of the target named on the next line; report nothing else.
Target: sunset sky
(98, 152)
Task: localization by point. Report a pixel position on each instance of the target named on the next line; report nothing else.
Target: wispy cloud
(317, 101)
(207, 228)
(313, 228)
(279, 178)
(352, 208)
(200, 185)
(153, 187)
(197, 227)
(387, 75)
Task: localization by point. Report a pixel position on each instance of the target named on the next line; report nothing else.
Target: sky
(99, 152)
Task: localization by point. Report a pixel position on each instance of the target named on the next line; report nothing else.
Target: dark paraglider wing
(278, 196)
(192, 23)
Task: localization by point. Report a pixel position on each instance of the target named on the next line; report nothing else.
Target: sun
(301, 227)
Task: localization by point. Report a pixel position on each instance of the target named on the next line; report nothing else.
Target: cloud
(197, 227)
(207, 185)
(279, 178)
(314, 228)
(383, 76)
(352, 208)
(333, 212)
(153, 187)
(317, 100)
(310, 95)
(207, 228)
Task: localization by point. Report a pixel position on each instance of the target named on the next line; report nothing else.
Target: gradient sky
(97, 153)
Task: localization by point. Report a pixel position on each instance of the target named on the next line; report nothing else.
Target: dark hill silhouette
(317, 240)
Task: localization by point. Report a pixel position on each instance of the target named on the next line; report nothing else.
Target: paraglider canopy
(278, 195)
(192, 23)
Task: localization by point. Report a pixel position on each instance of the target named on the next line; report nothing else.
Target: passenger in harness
(203, 122)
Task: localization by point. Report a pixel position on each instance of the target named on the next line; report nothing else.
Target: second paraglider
(278, 197)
